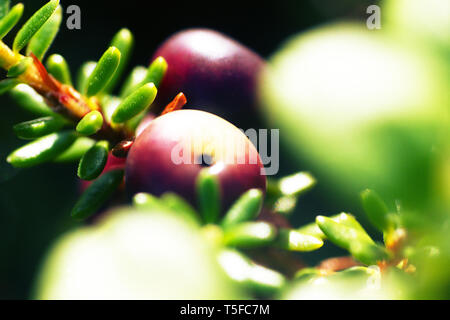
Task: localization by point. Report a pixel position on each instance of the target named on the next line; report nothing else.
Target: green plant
(88, 123)
(77, 123)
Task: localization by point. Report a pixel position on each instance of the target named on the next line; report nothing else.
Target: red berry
(192, 135)
(216, 73)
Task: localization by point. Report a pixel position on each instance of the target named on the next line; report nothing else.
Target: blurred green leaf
(180, 206)
(357, 242)
(83, 75)
(4, 7)
(10, 20)
(58, 67)
(292, 240)
(344, 218)
(376, 210)
(259, 280)
(208, 196)
(8, 84)
(250, 234)
(19, 68)
(147, 200)
(136, 77)
(246, 208)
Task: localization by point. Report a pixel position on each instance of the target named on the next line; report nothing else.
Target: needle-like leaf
(41, 150)
(4, 7)
(93, 162)
(208, 196)
(156, 71)
(293, 240)
(257, 279)
(30, 100)
(10, 20)
(244, 209)
(103, 71)
(43, 39)
(97, 194)
(58, 68)
(136, 77)
(123, 40)
(76, 150)
(180, 206)
(33, 24)
(357, 242)
(90, 124)
(7, 84)
(250, 234)
(39, 127)
(376, 210)
(83, 75)
(19, 68)
(135, 103)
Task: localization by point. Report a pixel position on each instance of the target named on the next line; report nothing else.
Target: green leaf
(8, 84)
(19, 68)
(148, 201)
(93, 162)
(156, 71)
(58, 68)
(83, 75)
(259, 280)
(250, 234)
(41, 150)
(123, 40)
(39, 127)
(306, 274)
(103, 71)
(135, 103)
(293, 240)
(208, 196)
(357, 242)
(4, 7)
(10, 20)
(296, 184)
(30, 100)
(344, 218)
(90, 124)
(136, 77)
(109, 106)
(376, 210)
(33, 24)
(97, 194)
(246, 208)
(76, 150)
(43, 39)
(180, 206)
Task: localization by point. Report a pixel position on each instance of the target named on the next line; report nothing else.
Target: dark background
(35, 203)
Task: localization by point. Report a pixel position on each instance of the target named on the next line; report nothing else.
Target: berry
(215, 72)
(169, 154)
